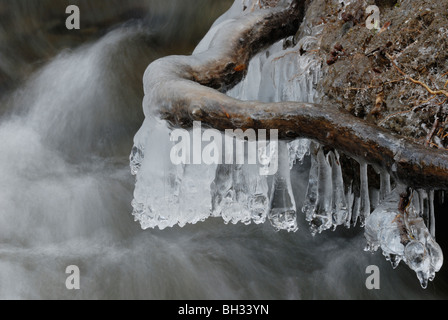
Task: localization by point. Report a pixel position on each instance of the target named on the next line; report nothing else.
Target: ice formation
(235, 192)
(283, 213)
(167, 195)
(403, 235)
(326, 204)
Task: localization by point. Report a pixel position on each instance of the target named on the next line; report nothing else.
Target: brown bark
(184, 89)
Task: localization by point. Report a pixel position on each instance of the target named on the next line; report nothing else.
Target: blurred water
(66, 192)
(32, 32)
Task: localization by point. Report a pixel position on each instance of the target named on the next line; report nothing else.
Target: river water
(66, 131)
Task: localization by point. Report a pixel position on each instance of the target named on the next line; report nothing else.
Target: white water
(66, 190)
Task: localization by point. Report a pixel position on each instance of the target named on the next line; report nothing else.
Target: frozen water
(222, 192)
(282, 213)
(309, 206)
(240, 191)
(298, 149)
(432, 216)
(365, 197)
(322, 218)
(385, 187)
(166, 194)
(403, 236)
(340, 208)
(326, 205)
(136, 159)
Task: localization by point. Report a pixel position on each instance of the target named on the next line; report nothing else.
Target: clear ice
(283, 213)
(404, 236)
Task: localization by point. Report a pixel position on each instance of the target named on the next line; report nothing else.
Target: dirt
(368, 72)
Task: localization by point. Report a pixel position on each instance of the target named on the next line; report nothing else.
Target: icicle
(249, 87)
(194, 197)
(156, 195)
(283, 208)
(222, 189)
(258, 202)
(136, 159)
(250, 196)
(350, 203)
(356, 211)
(364, 194)
(325, 190)
(374, 198)
(432, 217)
(240, 192)
(416, 202)
(417, 261)
(404, 236)
(256, 198)
(425, 206)
(321, 218)
(378, 196)
(423, 203)
(385, 187)
(382, 228)
(339, 208)
(268, 157)
(226, 185)
(422, 253)
(309, 206)
(298, 149)
(290, 76)
(237, 210)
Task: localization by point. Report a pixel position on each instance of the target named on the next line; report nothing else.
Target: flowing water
(66, 191)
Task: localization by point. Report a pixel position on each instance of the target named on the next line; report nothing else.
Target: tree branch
(183, 89)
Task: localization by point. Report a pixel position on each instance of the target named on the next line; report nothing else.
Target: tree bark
(181, 89)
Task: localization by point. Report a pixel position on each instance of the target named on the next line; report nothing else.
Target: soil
(368, 72)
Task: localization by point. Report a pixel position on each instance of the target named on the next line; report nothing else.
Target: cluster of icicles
(167, 195)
